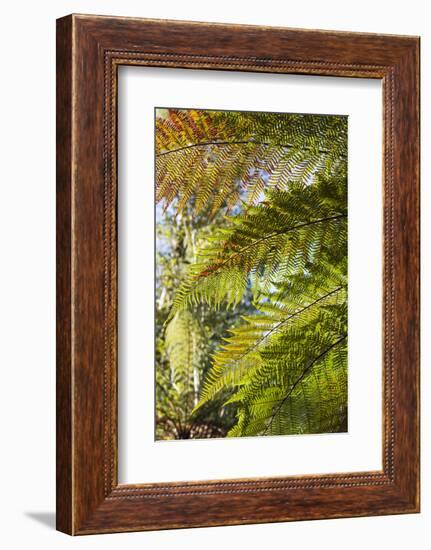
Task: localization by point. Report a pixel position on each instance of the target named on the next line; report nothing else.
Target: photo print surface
(251, 274)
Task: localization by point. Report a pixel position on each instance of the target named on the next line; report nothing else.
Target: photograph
(237, 264)
(214, 237)
(251, 272)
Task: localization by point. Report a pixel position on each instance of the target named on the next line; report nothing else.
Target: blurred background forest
(251, 273)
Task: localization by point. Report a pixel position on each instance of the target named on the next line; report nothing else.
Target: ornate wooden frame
(89, 51)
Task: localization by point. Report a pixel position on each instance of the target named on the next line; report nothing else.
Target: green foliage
(276, 186)
(185, 346)
(185, 343)
(287, 233)
(209, 158)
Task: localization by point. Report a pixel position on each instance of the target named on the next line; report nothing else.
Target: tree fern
(281, 182)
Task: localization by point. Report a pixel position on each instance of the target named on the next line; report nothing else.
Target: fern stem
(301, 377)
(244, 142)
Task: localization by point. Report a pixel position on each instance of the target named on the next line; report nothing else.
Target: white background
(27, 125)
(141, 458)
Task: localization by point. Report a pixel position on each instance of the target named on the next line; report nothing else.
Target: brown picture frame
(89, 51)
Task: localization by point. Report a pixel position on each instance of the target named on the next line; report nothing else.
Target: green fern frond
(231, 152)
(241, 354)
(185, 345)
(288, 233)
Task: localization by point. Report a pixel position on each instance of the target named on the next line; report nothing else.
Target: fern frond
(309, 397)
(217, 155)
(241, 354)
(185, 345)
(288, 233)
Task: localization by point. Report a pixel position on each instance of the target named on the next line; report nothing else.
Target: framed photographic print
(237, 274)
